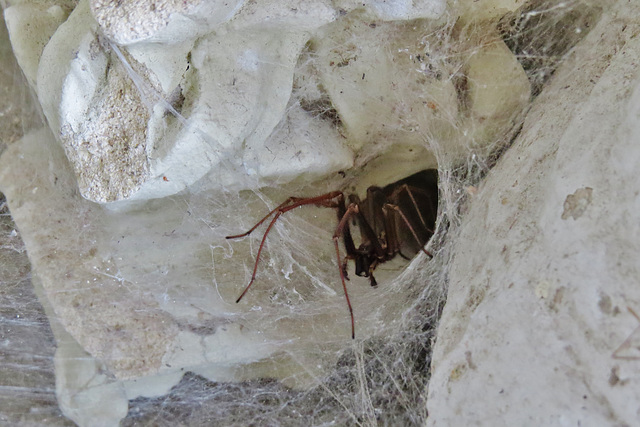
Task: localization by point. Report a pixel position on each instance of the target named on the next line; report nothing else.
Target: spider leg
(406, 188)
(280, 206)
(372, 279)
(324, 200)
(371, 237)
(340, 230)
(406, 221)
(345, 265)
(375, 226)
(255, 266)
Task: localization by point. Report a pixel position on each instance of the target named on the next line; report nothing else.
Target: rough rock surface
(546, 262)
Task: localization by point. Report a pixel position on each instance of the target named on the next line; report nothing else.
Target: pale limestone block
(30, 27)
(536, 329)
(498, 92)
(160, 21)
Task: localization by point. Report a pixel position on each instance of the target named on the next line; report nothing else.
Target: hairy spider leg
(342, 229)
(405, 187)
(347, 239)
(406, 221)
(381, 221)
(289, 204)
(369, 234)
(280, 206)
(396, 208)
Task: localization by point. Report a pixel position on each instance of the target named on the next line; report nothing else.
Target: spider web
(380, 378)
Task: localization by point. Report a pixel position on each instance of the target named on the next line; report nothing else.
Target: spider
(398, 219)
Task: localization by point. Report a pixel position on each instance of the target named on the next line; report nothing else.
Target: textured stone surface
(547, 260)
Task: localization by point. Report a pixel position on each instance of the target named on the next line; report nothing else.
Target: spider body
(398, 219)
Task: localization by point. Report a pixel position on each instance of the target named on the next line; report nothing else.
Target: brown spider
(398, 219)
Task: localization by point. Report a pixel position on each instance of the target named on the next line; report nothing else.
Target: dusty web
(381, 378)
